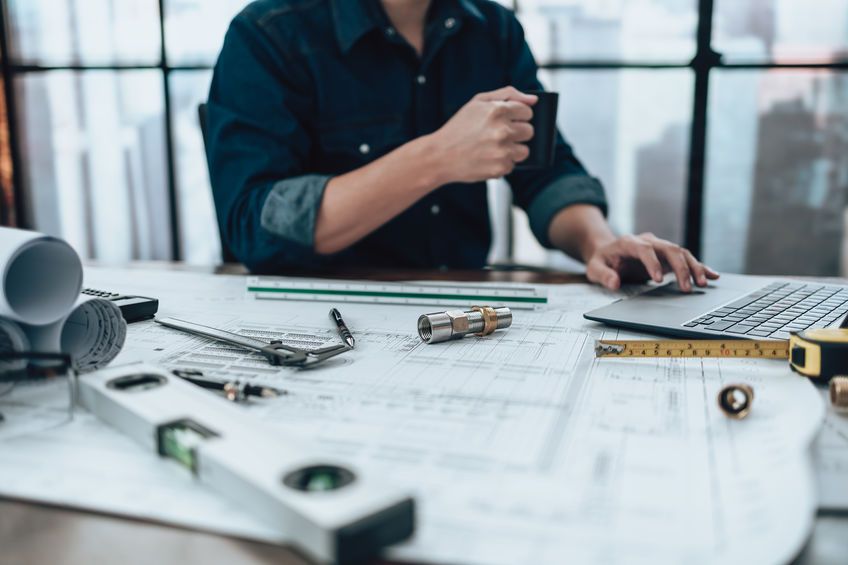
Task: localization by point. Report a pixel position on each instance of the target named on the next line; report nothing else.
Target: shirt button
(450, 23)
(365, 149)
(421, 79)
(390, 31)
(434, 209)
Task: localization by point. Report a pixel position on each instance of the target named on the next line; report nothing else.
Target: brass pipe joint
(456, 324)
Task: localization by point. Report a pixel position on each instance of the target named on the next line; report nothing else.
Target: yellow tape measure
(818, 353)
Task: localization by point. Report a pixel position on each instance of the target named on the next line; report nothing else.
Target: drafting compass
(276, 352)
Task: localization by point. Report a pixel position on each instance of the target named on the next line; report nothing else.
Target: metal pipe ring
(735, 400)
(839, 393)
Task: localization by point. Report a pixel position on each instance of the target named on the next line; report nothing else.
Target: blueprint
(42, 310)
(521, 447)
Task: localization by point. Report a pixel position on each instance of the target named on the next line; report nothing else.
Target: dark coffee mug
(543, 144)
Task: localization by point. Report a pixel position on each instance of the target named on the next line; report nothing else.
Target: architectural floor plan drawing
(521, 447)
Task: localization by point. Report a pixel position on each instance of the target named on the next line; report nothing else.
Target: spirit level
(331, 510)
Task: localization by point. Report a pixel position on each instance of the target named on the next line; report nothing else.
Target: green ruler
(417, 293)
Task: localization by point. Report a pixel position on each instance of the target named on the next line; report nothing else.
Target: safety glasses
(37, 393)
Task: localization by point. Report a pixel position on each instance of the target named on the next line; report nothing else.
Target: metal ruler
(428, 294)
(760, 349)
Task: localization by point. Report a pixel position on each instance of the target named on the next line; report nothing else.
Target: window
(7, 196)
(719, 124)
(630, 127)
(199, 241)
(613, 31)
(777, 202)
(194, 29)
(94, 160)
(782, 31)
(83, 32)
(106, 96)
(776, 192)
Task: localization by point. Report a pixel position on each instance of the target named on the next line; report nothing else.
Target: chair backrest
(226, 254)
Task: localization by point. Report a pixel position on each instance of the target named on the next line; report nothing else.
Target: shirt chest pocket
(342, 147)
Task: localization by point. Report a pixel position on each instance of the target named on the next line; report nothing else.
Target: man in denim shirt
(361, 133)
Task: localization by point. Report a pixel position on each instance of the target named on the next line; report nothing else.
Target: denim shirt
(304, 90)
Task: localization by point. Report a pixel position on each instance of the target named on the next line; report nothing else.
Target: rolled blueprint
(41, 308)
(93, 334)
(41, 277)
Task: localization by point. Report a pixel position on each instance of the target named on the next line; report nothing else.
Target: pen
(235, 391)
(344, 333)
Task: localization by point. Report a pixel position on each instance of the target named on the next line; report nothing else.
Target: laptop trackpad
(671, 296)
(667, 305)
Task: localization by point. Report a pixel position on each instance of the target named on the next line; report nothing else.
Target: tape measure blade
(760, 349)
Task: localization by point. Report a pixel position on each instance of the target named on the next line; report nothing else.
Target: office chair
(226, 254)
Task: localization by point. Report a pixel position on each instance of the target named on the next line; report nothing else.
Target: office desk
(31, 533)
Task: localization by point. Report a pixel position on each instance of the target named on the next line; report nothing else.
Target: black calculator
(133, 308)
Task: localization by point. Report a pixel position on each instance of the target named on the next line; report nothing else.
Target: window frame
(705, 60)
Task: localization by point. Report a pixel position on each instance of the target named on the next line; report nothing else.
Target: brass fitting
(456, 324)
(735, 400)
(839, 393)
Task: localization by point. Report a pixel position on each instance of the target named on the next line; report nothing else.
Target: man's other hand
(485, 138)
(638, 258)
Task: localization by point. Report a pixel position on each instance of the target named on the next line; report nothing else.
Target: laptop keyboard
(776, 310)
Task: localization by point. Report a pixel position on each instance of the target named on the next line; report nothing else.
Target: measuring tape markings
(695, 348)
(820, 354)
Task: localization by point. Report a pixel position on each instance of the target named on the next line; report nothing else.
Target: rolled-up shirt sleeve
(266, 202)
(291, 207)
(543, 193)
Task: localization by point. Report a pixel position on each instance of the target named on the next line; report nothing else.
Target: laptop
(735, 306)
